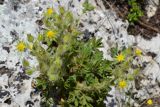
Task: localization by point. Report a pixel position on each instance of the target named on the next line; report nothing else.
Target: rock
(1, 2)
(3, 52)
(151, 8)
(4, 70)
(150, 46)
(29, 104)
(6, 48)
(4, 95)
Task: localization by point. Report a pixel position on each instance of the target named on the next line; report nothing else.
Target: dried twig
(147, 26)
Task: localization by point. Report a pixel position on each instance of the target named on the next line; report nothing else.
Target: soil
(146, 27)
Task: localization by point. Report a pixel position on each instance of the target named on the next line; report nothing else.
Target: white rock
(151, 8)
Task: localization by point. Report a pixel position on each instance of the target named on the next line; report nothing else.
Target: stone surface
(151, 8)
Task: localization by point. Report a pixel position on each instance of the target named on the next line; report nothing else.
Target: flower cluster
(149, 102)
(122, 84)
(21, 46)
(120, 57)
(51, 34)
(49, 11)
(138, 52)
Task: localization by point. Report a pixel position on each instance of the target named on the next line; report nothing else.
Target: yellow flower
(21, 46)
(149, 102)
(120, 57)
(49, 11)
(51, 34)
(122, 84)
(138, 52)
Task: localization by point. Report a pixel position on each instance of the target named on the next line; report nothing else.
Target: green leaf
(136, 72)
(76, 102)
(89, 99)
(29, 71)
(84, 102)
(30, 38)
(135, 11)
(130, 77)
(61, 10)
(68, 19)
(40, 37)
(87, 6)
(127, 52)
(114, 52)
(44, 86)
(25, 63)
